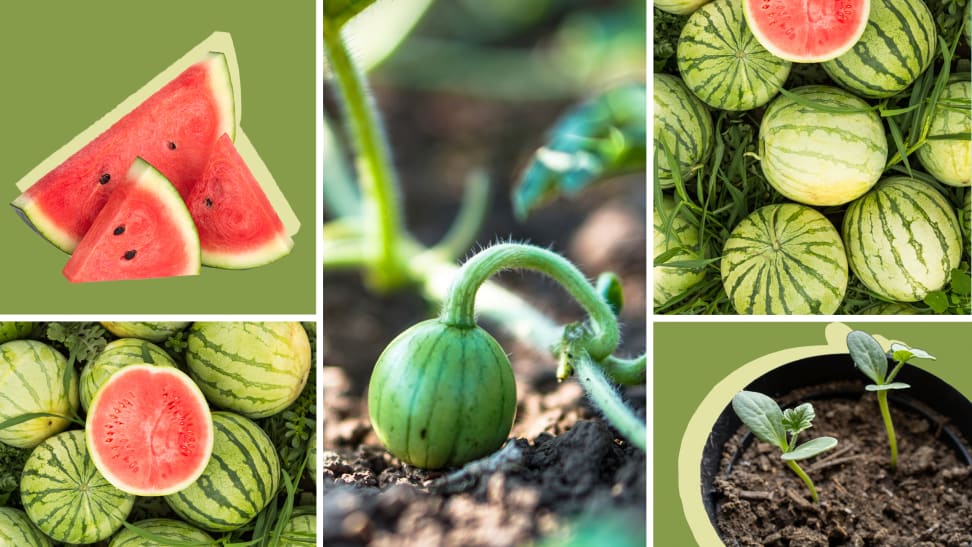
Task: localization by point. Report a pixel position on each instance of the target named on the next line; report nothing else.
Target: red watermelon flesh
(238, 227)
(807, 31)
(143, 231)
(174, 130)
(149, 430)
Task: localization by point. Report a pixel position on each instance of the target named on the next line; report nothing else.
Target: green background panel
(685, 370)
(66, 64)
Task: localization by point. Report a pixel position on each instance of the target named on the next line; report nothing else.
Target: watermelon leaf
(339, 12)
(762, 416)
(868, 355)
(937, 301)
(810, 449)
(885, 387)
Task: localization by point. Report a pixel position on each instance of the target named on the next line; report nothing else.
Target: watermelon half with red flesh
(143, 231)
(149, 430)
(237, 225)
(175, 130)
(807, 31)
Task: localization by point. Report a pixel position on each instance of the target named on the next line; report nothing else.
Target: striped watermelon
(965, 217)
(818, 157)
(146, 330)
(116, 355)
(32, 380)
(240, 480)
(16, 530)
(898, 44)
(902, 239)
(685, 126)
(12, 330)
(255, 369)
(299, 531)
(723, 63)
(679, 7)
(950, 161)
(312, 457)
(671, 282)
(175, 530)
(66, 497)
(784, 259)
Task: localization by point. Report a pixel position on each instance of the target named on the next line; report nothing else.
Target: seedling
(873, 362)
(781, 428)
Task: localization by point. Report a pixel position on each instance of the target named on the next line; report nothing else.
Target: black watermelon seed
(172, 145)
(129, 254)
(119, 230)
(209, 202)
(104, 179)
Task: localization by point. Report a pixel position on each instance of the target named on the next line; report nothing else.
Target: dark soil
(926, 502)
(567, 463)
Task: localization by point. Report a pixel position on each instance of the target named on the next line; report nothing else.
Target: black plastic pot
(928, 395)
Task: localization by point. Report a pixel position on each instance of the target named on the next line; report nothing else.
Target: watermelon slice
(238, 227)
(809, 31)
(174, 130)
(143, 231)
(149, 430)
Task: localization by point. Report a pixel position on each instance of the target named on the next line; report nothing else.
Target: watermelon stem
(606, 397)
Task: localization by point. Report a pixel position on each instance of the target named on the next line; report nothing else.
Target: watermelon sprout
(873, 362)
(780, 428)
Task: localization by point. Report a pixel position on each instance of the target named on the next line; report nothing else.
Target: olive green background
(66, 64)
(691, 358)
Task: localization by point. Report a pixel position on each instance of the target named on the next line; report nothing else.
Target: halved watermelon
(149, 430)
(174, 130)
(143, 231)
(810, 31)
(238, 227)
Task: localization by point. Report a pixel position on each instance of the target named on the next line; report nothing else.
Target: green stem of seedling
(459, 306)
(804, 477)
(606, 397)
(380, 204)
(894, 372)
(882, 397)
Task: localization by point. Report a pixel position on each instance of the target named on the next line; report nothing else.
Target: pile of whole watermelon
(812, 157)
(136, 434)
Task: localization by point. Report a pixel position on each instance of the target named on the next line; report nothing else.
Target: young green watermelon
(174, 130)
(238, 227)
(143, 231)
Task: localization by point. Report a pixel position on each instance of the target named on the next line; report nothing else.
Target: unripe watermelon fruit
(32, 380)
(441, 396)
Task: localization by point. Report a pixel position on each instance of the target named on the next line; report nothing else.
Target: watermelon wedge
(237, 225)
(143, 231)
(809, 31)
(175, 130)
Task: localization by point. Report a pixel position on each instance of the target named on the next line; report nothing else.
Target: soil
(566, 463)
(926, 502)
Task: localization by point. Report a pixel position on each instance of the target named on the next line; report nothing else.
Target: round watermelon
(674, 232)
(811, 31)
(16, 530)
(965, 217)
(254, 369)
(66, 497)
(684, 125)
(784, 259)
(117, 355)
(723, 63)
(898, 44)
(12, 330)
(171, 529)
(300, 530)
(156, 331)
(902, 239)
(312, 457)
(679, 7)
(819, 157)
(32, 380)
(240, 480)
(950, 160)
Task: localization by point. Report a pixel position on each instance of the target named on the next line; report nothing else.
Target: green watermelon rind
(32, 380)
(17, 530)
(685, 123)
(902, 239)
(723, 64)
(254, 369)
(242, 477)
(65, 495)
(117, 355)
(670, 282)
(166, 528)
(153, 331)
(950, 161)
(298, 530)
(898, 44)
(679, 7)
(785, 259)
(817, 157)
